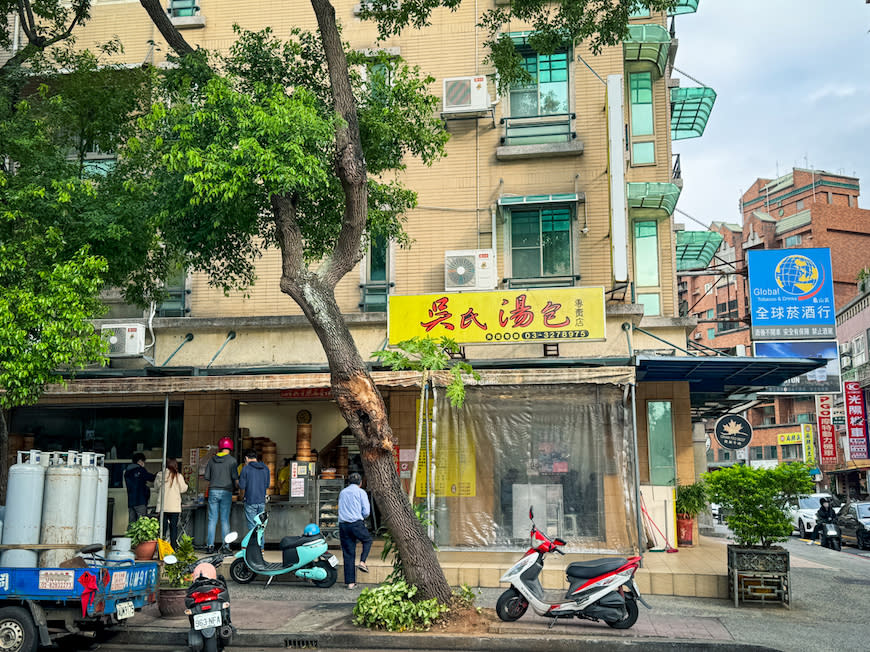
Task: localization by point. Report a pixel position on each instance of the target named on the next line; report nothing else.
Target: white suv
(803, 512)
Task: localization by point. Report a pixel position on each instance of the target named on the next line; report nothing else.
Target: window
(711, 314)
(756, 452)
(853, 201)
(724, 455)
(711, 333)
(707, 287)
(646, 253)
(859, 351)
(179, 8)
(805, 417)
(662, 466)
(375, 286)
(791, 452)
(639, 11)
(541, 242)
(640, 95)
(651, 302)
(547, 94)
(770, 452)
(800, 204)
(793, 240)
(175, 303)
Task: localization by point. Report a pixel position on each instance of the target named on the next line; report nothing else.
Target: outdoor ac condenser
(469, 269)
(125, 340)
(466, 94)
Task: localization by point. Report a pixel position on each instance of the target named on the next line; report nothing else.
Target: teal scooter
(305, 556)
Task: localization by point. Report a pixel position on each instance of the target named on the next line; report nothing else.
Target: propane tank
(22, 521)
(102, 504)
(87, 501)
(60, 504)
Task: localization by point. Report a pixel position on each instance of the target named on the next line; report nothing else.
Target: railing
(541, 282)
(673, 28)
(180, 8)
(677, 172)
(374, 296)
(175, 304)
(538, 129)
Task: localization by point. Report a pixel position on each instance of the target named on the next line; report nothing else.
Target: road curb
(354, 640)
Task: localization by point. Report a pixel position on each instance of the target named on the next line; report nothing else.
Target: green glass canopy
(695, 249)
(684, 7)
(646, 48)
(690, 110)
(652, 200)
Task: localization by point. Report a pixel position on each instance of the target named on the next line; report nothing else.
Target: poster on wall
(856, 420)
(455, 460)
(824, 380)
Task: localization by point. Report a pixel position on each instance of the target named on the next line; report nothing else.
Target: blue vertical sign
(791, 294)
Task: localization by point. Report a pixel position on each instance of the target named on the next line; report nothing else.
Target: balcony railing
(374, 296)
(538, 129)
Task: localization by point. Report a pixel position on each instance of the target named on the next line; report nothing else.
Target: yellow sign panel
(502, 316)
(786, 438)
(809, 446)
(455, 472)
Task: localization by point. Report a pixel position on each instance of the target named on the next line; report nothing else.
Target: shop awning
(717, 381)
(683, 7)
(695, 249)
(646, 48)
(652, 200)
(690, 110)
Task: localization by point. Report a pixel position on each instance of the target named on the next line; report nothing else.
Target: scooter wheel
(331, 575)
(836, 545)
(631, 617)
(511, 605)
(240, 572)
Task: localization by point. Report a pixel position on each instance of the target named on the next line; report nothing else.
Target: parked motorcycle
(600, 589)
(305, 556)
(831, 535)
(207, 602)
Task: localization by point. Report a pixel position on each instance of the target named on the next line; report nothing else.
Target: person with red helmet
(222, 474)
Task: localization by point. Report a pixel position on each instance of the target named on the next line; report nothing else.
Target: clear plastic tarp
(565, 449)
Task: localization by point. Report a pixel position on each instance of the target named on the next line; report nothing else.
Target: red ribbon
(89, 582)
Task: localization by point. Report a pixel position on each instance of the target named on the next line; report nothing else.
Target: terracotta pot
(146, 550)
(685, 530)
(170, 602)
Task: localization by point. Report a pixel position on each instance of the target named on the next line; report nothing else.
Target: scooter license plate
(333, 560)
(204, 621)
(124, 610)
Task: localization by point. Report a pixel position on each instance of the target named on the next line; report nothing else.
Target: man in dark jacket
(135, 478)
(254, 481)
(825, 514)
(223, 477)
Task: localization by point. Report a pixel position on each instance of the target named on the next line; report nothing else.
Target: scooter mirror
(531, 513)
(170, 559)
(232, 536)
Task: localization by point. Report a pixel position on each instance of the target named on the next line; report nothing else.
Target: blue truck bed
(99, 588)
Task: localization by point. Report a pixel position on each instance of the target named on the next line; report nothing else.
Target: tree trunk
(164, 25)
(4, 455)
(362, 406)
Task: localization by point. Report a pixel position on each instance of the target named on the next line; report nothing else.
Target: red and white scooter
(600, 589)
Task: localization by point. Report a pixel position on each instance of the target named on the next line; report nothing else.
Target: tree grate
(300, 643)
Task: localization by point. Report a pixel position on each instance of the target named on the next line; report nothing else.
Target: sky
(792, 79)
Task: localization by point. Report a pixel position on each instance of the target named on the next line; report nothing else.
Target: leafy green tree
(756, 500)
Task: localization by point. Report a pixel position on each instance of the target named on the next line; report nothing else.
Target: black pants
(170, 524)
(350, 533)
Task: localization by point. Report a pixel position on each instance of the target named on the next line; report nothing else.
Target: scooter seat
(295, 542)
(585, 570)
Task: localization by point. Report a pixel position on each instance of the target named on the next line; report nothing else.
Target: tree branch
(25, 12)
(290, 240)
(350, 164)
(164, 25)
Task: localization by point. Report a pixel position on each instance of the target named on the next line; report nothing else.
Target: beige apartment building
(568, 183)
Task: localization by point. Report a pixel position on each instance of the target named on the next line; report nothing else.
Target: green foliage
(552, 25)
(218, 150)
(755, 500)
(390, 547)
(177, 575)
(691, 499)
(392, 607)
(143, 529)
(464, 597)
(425, 354)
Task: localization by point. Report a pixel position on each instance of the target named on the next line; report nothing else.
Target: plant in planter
(143, 536)
(691, 500)
(176, 580)
(756, 501)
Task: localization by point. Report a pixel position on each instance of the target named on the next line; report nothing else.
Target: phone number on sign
(536, 335)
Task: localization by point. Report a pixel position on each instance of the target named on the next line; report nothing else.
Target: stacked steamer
(268, 453)
(247, 440)
(303, 436)
(341, 465)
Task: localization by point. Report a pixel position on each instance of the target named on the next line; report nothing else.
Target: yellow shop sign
(502, 316)
(786, 438)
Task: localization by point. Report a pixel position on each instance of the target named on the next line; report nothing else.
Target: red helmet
(225, 442)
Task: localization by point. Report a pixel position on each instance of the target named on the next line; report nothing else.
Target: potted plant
(176, 580)
(143, 536)
(690, 501)
(756, 501)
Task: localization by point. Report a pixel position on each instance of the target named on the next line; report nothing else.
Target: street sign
(733, 432)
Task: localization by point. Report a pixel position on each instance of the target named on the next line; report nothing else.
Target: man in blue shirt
(254, 481)
(353, 508)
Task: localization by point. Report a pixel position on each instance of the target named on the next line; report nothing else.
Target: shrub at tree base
(392, 607)
(756, 500)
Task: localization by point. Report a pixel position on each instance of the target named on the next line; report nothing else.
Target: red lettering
(549, 313)
(440, 313)
(469, 318)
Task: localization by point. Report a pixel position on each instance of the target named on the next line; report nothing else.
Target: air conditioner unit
(698, 335)
(470, 269)
(466, 94)
(845, 348)
(125, 340)
(845, 362)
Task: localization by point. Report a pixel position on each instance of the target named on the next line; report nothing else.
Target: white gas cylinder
(60, 506)
(23, 509)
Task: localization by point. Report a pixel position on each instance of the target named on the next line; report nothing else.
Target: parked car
(854, 521)
(803, 512)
